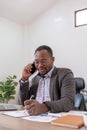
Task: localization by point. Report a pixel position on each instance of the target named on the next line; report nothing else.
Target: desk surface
(12, 123)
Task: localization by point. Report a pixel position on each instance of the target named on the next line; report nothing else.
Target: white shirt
(43, 88)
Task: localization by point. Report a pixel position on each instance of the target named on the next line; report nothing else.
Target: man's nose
(40, 64)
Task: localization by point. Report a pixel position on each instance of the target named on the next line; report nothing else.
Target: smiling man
(52, 89)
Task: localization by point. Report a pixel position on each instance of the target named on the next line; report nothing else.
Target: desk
(12, 123)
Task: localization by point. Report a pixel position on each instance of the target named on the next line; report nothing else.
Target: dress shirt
(43, 87)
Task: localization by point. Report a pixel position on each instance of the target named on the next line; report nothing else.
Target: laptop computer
(7, 107)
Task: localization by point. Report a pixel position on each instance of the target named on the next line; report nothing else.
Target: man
(52, 89)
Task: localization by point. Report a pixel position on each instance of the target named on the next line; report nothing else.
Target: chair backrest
(79, 98)
(80, 84)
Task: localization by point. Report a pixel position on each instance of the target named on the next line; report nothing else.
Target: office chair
(79, 98)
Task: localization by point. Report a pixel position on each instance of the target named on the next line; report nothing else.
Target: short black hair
(44, 47)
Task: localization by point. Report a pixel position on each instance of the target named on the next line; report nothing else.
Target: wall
(11, 48)
(11, 43)
(56, 28)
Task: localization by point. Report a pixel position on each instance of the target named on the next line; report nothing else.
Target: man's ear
(53, 59)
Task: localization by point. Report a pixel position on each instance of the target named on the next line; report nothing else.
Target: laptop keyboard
(4, 107)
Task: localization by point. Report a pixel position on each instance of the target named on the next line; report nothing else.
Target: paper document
(47, 117)
(21, 113)
(57, 114)
(40, 118)
(79, 113)
(24, 115)
(72, 112)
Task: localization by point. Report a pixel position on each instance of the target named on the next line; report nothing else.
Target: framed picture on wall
(80, 17)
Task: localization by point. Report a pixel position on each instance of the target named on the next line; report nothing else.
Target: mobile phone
(33, 68)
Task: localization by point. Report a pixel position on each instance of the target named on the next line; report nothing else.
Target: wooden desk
(12, 123)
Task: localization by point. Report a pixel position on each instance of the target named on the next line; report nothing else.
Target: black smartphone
(33, 68)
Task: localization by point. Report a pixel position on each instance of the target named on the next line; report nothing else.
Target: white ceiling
(24, 11)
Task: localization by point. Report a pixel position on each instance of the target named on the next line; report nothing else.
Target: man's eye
(40, 62)
(36, 62)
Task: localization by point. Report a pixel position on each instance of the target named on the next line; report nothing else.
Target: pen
(31, 97)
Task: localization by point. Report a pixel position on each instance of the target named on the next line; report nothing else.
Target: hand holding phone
(26, 72)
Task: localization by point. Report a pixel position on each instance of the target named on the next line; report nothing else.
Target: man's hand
(26, 72)
(35, 108)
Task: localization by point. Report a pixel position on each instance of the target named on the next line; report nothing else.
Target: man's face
(43, 61)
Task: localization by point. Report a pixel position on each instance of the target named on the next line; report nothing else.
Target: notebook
(73, 121)
(7, 107)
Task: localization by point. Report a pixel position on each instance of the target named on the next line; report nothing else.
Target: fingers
(30, 110)
(26, 72)
(28, 68)
(27, 102)
(29, 106)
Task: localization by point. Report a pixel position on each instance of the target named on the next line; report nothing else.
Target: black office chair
(79, 98)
